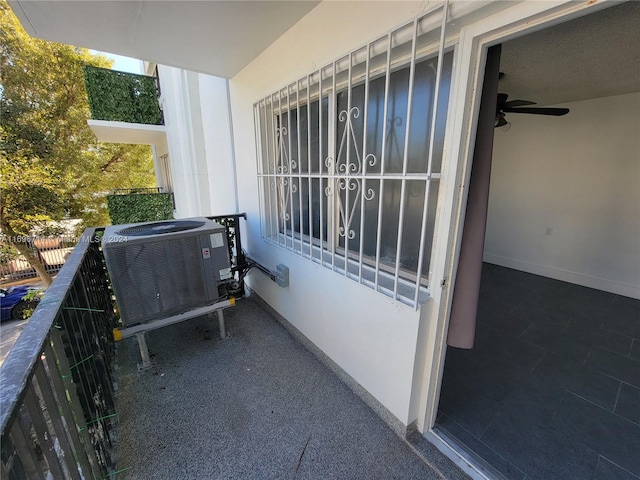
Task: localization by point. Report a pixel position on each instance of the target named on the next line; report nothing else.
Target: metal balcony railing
(129, 191)
(57, 405)
(123, 97)
(57, 402)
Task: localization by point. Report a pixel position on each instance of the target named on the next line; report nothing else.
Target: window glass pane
(317, 163)
(349, 212)
(365, 191)
(304, 199)
(299, 130)
(319, 208)
(431, 222)
(293, 196)
(422, 110)
(418, 151)
(284, 204)
(396, 120)
(302, 138)
(349, 141)
(371, 217)
(412, 224)
(375, 120)
(282, 144)
(296, 221)
(303, 207)
(390, 214)
(291, 137)
(390, 131)
(420, 128)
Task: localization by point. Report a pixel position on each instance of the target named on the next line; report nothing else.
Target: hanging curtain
(462, 322)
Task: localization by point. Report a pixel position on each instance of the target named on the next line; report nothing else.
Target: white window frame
(401, 48)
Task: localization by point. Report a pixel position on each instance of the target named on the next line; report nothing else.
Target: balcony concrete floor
(257, 405)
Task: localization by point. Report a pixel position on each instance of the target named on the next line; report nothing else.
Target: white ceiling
(231, 33)
(594, 56)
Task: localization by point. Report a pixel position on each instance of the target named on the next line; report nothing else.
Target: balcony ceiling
(589, 57)
(214, 37)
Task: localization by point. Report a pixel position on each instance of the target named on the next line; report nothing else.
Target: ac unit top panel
(159, 228)
(133, 233)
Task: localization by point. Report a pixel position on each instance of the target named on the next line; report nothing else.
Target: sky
(123, 64)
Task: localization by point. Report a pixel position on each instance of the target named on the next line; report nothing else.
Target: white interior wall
(367, 334)
(565, 195)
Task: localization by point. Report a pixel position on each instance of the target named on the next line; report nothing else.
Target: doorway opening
(551, 388)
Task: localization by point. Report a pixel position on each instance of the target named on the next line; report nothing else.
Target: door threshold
(467, 461)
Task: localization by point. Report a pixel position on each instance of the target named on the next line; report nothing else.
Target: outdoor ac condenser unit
(165, 268)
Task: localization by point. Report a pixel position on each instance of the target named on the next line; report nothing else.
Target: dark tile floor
(552, 387)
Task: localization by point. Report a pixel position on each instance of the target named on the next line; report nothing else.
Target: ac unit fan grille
(159, 278)
(160, 228)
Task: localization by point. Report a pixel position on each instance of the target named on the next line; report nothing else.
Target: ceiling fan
(516, 106)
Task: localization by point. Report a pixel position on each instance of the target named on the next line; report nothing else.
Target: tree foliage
(51, 164)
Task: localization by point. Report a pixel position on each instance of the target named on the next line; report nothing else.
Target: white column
(199, 142)
(218, 144)
(179, 144)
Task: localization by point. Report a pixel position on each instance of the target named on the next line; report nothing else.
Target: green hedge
(122, 97)
(140, 207)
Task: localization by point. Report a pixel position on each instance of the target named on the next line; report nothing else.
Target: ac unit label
(217, 240)
(206, 253)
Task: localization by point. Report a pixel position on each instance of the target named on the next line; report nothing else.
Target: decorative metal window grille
(350, 156)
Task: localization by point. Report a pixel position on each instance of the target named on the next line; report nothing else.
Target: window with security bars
(350, 156)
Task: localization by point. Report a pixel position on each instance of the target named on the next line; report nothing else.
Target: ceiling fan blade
(502, 99)
(518, 103)
(556, 112)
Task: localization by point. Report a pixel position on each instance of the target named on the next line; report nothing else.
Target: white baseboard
(604, 284)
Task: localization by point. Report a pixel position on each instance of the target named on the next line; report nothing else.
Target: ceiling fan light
(500, 120)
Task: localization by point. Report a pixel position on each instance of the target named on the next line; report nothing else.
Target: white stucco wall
(199, 142)
(565, 195)
(370, 336)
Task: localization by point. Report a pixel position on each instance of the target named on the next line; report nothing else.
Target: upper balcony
(124, 107)
(256, 402)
